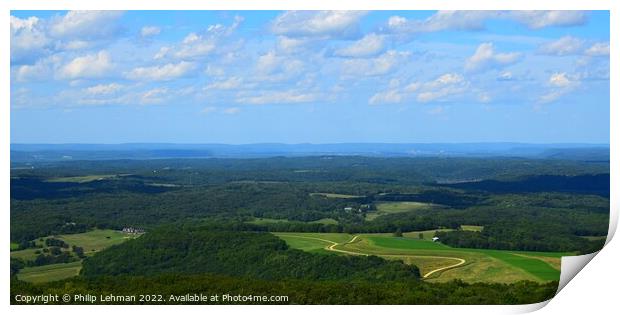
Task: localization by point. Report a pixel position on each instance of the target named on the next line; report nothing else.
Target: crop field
(330, 195)
(95, 240)
(595, 238)
(325, 221)
(49, 273)
(263, 221)
(426, 235)
(473, 228)
(437, 262)
(384, 208)
(91, 242)
(26, 254)
(313, 242)
(81, 179)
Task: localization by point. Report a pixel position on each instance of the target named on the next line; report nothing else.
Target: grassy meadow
(480, 265)
(384, 208)
(331, 195)
(92, 242)
(50, 273)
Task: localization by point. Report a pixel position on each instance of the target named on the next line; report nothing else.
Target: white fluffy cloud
(28, 38)
(197, 45)
(475, 20)
(273, 67)
(380, 65)
(231, 111)
(598, 49)
(148, 31)
(154, 96)
(325, 24)
(293, 45)
(389, 96)
(277, 97)
(442, 88)
(161, 73)
(446, 85)
(103, 89)
(566, 45)
(32, 37)
(560, 80)
(297, 63)
(40, 70)
(88, 66)
(486, 58)
(540, 19)
(86, 24)
(442, 20)
(560, 84)
(370, 45)
(228, 111)
(228, 84)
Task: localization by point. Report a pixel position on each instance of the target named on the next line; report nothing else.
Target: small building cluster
(362, 208)
(132, 230)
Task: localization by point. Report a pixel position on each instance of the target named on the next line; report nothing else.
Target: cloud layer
(97, 58)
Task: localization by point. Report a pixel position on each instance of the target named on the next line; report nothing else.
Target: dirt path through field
(334, 244)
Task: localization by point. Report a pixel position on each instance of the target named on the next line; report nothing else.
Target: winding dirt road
(334, 244)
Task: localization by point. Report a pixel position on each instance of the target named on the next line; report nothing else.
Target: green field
(91, 242)
(81, 179)
(262, 221)
(595, 238)
(313, 242)
(330, 195)
(95, 240)
(25, 254)
(473, 228)
(426, 235)
(384, 208)
(50, 272)
(479, 265)
(325, 221)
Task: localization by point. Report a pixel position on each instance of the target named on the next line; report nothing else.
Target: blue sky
(313, 76)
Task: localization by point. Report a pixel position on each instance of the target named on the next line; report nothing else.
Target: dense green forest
(198, 249)
(206, 222)
(523, 203)
(208, 259)
(297, 291)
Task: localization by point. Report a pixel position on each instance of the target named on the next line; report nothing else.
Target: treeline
(281, 188)
(512, 228)
(31, 219)
(402, 170)
(192, 249)
(297, 291)
(520, 235)
(597, 184)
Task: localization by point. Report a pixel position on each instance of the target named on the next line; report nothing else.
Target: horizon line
(307, 143)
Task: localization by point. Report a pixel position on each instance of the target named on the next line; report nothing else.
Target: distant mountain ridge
(55, 152)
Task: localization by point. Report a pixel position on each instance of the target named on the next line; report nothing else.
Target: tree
(421, 236)
(398, 233)
(55, 250)
(79, 251)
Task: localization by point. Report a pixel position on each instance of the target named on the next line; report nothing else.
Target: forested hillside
(195, 250)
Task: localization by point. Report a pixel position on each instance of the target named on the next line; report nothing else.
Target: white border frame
(592, 288)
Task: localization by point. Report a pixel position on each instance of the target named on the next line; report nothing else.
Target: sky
(309, 76)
